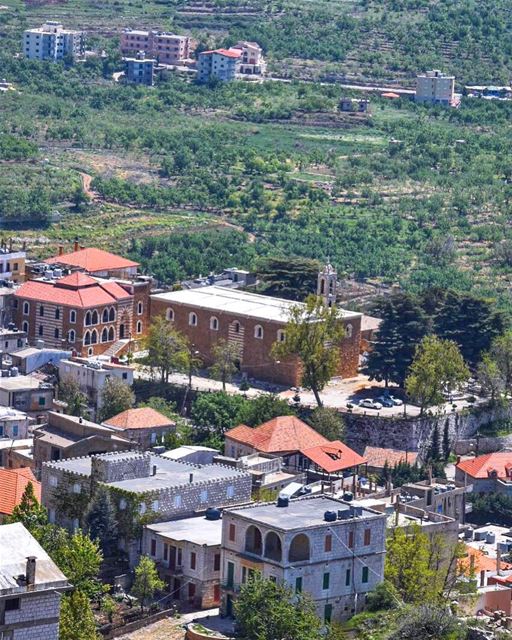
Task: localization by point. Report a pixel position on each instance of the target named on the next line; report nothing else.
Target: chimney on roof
(30, 571)
(61, 249)
(75, 245)
(154, 469)
(191, 478)
(82, 247)
(498, 560)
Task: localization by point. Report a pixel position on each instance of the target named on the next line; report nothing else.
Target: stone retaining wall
(483, 445)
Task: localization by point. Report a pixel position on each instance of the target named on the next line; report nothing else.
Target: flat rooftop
(236, 302)
(18, 383)
(197, 530)
(299, 514)
(169, 473)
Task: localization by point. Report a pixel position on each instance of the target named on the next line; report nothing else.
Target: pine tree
(29, 511)
(101, 521)
(446, 440)
(76, 618)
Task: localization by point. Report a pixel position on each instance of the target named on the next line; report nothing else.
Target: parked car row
(384, 400)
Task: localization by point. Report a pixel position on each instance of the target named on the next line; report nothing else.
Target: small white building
(14, 424)
(12, 339)
(435, 87)
(252, 61)
(31, 587)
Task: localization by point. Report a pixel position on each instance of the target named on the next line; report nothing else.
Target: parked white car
(368, 403)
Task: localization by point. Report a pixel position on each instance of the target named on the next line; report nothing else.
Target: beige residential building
(435, 87)
(167, 48)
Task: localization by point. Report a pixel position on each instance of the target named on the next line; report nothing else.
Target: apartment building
(220, 64)
(12, 263)
(435, 87)
(140, 69)
(52, 42)
(252, 61)
(167, 48)
(330, 549)
(31, 587)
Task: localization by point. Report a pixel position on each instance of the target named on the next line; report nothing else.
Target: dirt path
(86, 185)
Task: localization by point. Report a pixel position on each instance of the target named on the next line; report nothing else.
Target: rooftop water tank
(490, 538)
(212, 513)
(282, 502)
(348, 496)
(330, 516)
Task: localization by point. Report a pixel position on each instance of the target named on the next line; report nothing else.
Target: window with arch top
(349, 329)
(258, 332)
(139, 327)
(104, 335)
(281, 335)
(140, 308)
(236, 326)
(104, 317)
(94, 317)
(169, 314)
(214, 323)
(192, 319)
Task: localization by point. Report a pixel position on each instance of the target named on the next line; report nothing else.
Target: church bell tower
(326, 284)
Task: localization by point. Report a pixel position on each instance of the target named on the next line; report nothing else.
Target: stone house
(14, 424)
(142, 425)
(31, 587)
(489, 473)
(328, 548)
(28, 394)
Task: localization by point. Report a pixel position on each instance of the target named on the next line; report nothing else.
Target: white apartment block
(52, 42)
(435, 87)
(330, 549)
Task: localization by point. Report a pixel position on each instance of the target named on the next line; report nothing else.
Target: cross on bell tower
(327, 283)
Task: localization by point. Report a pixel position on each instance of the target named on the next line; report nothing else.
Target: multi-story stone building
(435, 87)
(220, 64)
(142, 425)
(140, 69)
(31, 587)
(12, 339)
(140, 484)
(330, 549)
(52, 42)
(167, 48)
(187, 554)
(254, 322)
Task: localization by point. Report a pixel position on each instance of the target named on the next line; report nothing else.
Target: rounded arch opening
(273, 547)
(299, 549)
(253, 540)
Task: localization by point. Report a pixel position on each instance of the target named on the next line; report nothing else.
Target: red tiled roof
(229, 53)
(12, 486)
(93, 260)
(479, 467)
(377, 456)
(141, 418)
(482, 562)
(76, 290)
(282, 434)
(334, 456)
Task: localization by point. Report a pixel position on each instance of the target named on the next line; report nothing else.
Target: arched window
(87, 337)
(299, 548)
(71, 335)
(273, 547)
(90, 351)
(348, 330)
(112, 314)
(104, 334)
(26, 308)
(281, 335)
(192, 319)
(140, 308)
(258, 331)
(41, 330)
(322, 286)
(214, 323)
(41, 311)
(94, 337)
(139, 327)
(104, 317)
(25, 326)
(253, 541)
(94, 317)
(72, 316)
(56, 332)
(57, 313)
(111, 334)
(236, 326)
(87, 319)
(169, 314)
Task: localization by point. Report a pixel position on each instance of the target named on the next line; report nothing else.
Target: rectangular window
(327, 613)
(216, 592)
(364, 577)
(42, 401)
(325, 583)
(216, 562)
(231, 575)
(347, 578)
(350, 539)
(298, 584)
(232, 531)
(166, 551)
(192, 560)
(12, 604)
(153, 548)
(367, 537)
(14, 430)
(328, 543)
(230, 491)
(191, 590)
(177, 501)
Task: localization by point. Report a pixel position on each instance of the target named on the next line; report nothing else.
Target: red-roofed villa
(143, 425)
(12, 485)
(491, 472)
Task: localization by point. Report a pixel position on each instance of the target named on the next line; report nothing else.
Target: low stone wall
(194, 634)
(482, 445)
(137, 624)
(416, 433)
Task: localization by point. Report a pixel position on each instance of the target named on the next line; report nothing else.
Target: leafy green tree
(313, 335)
(101, 522)
(116, 397)
(226, 357)
(403, 326)
(161, 405)
(70, 393)
(430, 622)
(263, 408)
(147, 582)
(79, 558)
(500, 354)
(267, 610)
(166, 348)
(328, 422)
(215, 413)
(76, 618)
(438, 366)
(29, 511)
(292, 278)
(384, 596)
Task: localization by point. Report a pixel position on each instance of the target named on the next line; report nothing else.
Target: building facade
(319, 545)
(140, 69)
(252, 61)
(142, 425)
(12, 264)
(254, 322)
(167, 48)
(14, 424)
(220, 64)
(52, 42)
(435, 87)
(28, 394)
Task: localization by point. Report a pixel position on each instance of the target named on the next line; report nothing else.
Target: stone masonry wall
(105, 469)
(37, 617)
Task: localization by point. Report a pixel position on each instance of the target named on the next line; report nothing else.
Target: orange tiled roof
(76, 290)
(377, 456)
(482, 562)
(282, 434)
(334, 456)
(229, 53)
(93, 260)
(479, 467)
(140, 418)
(12, 486)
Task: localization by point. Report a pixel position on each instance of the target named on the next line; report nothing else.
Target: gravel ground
(163, 630)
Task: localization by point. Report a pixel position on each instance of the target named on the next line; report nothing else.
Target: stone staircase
(115, 348)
